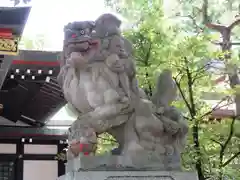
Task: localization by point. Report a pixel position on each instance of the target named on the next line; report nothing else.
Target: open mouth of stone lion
(83, 47)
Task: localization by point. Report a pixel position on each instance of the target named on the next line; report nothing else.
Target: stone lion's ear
(68, 26)
(92, 23)
(67, 30)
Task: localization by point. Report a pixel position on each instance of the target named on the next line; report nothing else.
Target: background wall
(36, 160)
(40, 170)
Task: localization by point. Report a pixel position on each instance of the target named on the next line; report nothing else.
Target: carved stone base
(145, 161)
(130, 175)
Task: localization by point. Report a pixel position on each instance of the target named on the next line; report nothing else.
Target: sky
(48, 17)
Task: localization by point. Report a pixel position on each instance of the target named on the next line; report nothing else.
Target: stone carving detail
(98, 78)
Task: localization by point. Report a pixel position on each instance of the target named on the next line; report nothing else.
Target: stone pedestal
(141, 162)
(118, 167)
(129, 175)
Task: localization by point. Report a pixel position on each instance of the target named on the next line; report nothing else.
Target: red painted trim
(8, 30)
(41, 63)
(5, 32)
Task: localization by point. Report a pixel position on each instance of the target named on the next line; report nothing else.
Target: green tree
(33, 43)
(162, 40)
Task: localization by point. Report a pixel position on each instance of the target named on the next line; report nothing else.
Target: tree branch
(203, 68)
(234, 24)
(198, 77)
(223, 148)
(217, 27)
(197, 27)
(183, 95)
(206, 18)
(232, 43)
(230, 159)
(190, 90)
(217, 142)
(195, 127)
(217, 107)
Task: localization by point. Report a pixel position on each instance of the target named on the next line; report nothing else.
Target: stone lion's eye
(82, 32)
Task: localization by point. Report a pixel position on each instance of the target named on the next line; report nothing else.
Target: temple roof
(14, 18)
(42, 133)
(30, 91)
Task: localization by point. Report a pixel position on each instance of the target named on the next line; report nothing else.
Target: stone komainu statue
(98, 78)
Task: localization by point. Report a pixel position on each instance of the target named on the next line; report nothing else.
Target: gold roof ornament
(9, 46)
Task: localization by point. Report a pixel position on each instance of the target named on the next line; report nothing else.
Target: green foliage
(106, 143)
(30, 43)
(178, 39)
(148, 43)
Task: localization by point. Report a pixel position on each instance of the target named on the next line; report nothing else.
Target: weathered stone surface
(98, 78)
(148, 161)
(130, 175)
